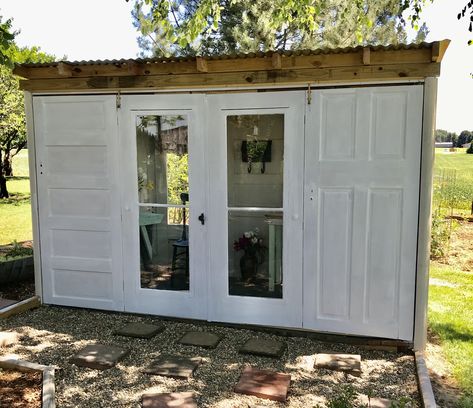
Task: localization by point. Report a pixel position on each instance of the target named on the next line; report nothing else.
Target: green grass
(450, 318)
(20, 164)
(15, 212)
(453, 180)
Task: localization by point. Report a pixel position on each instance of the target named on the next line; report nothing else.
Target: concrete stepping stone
(169, 400)
(264, 384)
(350, 363)
(265, 348)
(200, 339)
(7, 302)
(375, 402)
(8, 338)
(99, 356)
(174, 366)
(139, 330)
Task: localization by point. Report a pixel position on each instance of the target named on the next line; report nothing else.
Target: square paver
(200, 339)
(264, 384)
(99, 356)
(174, 366)
(140, 330)
(375, 402)
(350, 363)
(8, 338)
(169, 400)
(7, 302)
(262, 347)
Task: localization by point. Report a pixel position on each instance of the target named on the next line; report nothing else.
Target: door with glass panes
(256, 144)
(163, 204)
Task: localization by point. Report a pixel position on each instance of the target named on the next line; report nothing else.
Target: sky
(103, 29)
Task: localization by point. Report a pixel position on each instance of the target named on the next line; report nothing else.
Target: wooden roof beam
(438, 50)
(64, 69)
(366, 56)
(276, 61)
(201, 64)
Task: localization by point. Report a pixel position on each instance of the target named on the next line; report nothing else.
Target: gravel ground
(51, 335)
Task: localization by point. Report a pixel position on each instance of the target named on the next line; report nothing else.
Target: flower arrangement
(250, 243)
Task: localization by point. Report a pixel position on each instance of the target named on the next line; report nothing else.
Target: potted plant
(253, 253)
(17, 264)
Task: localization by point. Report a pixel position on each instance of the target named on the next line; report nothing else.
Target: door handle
(202, 218)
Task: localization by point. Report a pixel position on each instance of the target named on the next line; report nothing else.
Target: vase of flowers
(253, 253)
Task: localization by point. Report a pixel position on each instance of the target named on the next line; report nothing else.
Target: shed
(287, 189)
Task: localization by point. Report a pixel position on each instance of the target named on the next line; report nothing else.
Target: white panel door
(79, 201)
(255, 165)
(164, 187)
(362, 162)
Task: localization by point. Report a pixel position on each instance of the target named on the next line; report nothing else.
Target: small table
(275, 222)
(149, 218)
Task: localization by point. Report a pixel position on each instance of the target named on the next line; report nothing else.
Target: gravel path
(51, 335)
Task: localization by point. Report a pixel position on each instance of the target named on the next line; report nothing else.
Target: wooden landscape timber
(349, 65)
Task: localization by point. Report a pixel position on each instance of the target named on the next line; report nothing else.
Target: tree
(6, 41)
(465, 137)
(445, 136)
(188, 27)
(12, 115)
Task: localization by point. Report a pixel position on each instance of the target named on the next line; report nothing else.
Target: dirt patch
(20, 389)
(460, 255)
(446, 390)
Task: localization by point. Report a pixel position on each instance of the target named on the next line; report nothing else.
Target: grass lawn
(15, 212)
(453, 180)
(450, 318)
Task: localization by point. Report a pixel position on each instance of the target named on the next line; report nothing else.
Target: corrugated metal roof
(287, 53)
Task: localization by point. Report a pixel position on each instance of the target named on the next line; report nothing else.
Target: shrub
(470, 149)
(18, 251)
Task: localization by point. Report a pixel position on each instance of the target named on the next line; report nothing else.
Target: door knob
(202, 218)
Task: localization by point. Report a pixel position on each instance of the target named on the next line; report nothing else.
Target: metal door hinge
(119, 100)
(309, 95)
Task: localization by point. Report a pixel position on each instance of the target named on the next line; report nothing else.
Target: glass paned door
(255, 169)
(164, 238)
(163, 196)
(256, 186)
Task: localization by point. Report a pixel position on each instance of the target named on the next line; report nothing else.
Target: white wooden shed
(279, 189)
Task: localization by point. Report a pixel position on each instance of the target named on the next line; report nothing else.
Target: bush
(441, 232)
(18, 251)
(470, 149)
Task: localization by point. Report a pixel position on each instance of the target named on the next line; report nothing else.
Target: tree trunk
(7, 167)
(3, 180)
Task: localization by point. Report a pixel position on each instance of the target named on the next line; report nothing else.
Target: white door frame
(185, 304)
(287, 311)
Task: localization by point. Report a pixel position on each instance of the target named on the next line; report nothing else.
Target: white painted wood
(362, 160)
(79, 200)
(285, 312)
(186, 304)
(425, 213)
(34, 193)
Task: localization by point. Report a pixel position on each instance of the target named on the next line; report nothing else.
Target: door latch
(202, 218)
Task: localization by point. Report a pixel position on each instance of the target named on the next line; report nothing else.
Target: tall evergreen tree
(254, 25)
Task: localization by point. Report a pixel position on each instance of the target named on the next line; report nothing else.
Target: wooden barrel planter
(16, 269)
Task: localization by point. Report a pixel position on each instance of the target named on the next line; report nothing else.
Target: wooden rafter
(354, 64)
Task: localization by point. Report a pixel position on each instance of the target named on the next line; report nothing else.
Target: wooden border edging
(48, 388)
(31, 303)
(425, 387)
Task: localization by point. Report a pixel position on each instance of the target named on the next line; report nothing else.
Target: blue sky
(103, 29)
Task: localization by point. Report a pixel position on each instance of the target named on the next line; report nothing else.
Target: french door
(162, 146)
(256, 144)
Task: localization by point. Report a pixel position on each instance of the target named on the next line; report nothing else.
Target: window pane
(164, 249)
(255, 254)
(162, 152)
(255, 152)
